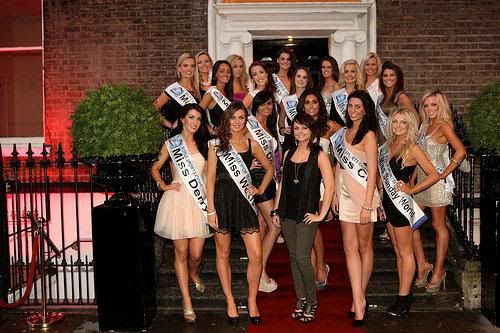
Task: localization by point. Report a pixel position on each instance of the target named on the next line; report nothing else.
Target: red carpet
(334, 302)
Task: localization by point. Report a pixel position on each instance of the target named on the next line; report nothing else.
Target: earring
(179, 75)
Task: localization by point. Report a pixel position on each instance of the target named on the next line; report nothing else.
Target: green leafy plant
(483, 119)
(115, 120)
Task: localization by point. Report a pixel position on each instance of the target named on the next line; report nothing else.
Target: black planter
(122, 174)
(490, 237)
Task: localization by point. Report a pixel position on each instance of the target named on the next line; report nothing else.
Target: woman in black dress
(231, 208)
(403, 154)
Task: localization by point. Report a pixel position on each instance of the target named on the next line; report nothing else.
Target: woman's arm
(328, 181)
(206, 100)
(281, 120)
(432, 176)
(259, 154)
(211, 174)
(275, 216)
(161, 100)
(371, 151)
(247, 101)
(155, 171)
(458, 147)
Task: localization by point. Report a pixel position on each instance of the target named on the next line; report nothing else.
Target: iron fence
(62, 192)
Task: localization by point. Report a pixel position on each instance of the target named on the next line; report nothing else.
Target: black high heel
(401, 307)
(351, 314)
(361, 322)
(233, 320)
(255, 320)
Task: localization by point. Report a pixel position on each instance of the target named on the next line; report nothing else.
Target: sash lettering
(281, 90)
(218, 97)
(264, 139)
(238, 171)
(347, 159)
(402, 201)
(179, 94)
(381, 117)
(185, 167)
(340, 101)
(290, 105)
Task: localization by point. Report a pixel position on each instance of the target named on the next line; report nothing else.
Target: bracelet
(455, 161)
(211, 213)
(158, 184)
(368, 208)
(281, 130)
(273, 213)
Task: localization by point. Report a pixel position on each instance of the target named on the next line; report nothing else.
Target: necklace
(296, 169)
(239, 142)
(205, 84)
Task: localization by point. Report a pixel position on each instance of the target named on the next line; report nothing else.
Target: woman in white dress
(185, 224)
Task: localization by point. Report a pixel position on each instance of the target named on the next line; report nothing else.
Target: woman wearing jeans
(297, 206)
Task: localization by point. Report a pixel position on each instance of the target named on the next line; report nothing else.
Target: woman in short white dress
(185, 224)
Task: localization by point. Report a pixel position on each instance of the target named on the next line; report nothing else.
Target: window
(21, 72)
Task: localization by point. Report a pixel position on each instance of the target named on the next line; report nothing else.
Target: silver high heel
(423, 281)
(434, 288)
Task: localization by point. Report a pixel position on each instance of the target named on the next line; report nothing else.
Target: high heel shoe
(361, 322)
(309, 313)
(420, 283)
(254, 320)
(299, 308)
(434, 288)
(233, 320)
(189, 315)
(401, 307)
(200, 286)
(322, 285)
(351, 314)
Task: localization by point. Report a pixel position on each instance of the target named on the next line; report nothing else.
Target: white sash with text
(347, 159)
(290, 105)
(340, 101)
(264, 139)
(237, 169)
(281, 90)
(193, 181)
(402, 201)
(180, 94)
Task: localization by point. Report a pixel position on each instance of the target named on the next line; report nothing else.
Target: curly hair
(411, 134)
(224, 130)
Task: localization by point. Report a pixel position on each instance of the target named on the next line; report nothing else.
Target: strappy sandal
(309, 313)
(189, 315)
(299, 308)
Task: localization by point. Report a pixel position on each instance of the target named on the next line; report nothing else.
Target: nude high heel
(434, 288)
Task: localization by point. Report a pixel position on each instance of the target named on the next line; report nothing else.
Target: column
(345, 44)
(234, 42)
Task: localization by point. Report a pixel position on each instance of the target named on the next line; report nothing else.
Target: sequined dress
(436, 195)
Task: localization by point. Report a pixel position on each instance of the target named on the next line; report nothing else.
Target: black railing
(62, 192)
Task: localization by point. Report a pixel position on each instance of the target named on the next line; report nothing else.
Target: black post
(490, 238)
(4, 236)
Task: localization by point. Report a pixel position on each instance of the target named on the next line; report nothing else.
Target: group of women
(258, 154)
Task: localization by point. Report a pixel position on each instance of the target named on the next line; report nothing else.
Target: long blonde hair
(444, 111)
(360, 81)
(244, 79)
(197, 71)
(411, 134)
(183, 57)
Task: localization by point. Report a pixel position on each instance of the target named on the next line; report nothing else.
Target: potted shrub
(116, 128)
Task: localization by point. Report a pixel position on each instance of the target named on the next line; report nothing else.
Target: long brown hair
(224, 130)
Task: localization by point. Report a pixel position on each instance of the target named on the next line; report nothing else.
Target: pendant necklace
(296, 169)
(240, 141)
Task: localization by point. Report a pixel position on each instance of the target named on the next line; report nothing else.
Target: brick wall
(452, 45)
(88, 43)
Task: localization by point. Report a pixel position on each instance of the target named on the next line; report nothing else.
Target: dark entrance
(308, 52)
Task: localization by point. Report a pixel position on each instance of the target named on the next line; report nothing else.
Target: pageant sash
(218, 97)
(281, 90)
(237, 169)
(403, 202)
(347, 159)
(179, 94)
(184, 164)
(290, 105)
(264, 139)
(340, 102)
(381, 117)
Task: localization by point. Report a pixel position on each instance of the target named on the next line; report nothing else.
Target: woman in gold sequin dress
(437, 135)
